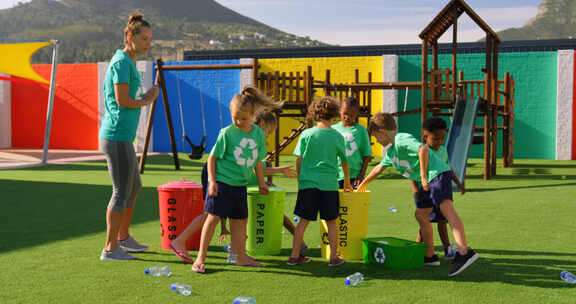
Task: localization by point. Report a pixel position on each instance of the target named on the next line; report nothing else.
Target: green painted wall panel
(536, 84)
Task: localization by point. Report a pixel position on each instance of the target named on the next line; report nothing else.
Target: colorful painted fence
(545, 127)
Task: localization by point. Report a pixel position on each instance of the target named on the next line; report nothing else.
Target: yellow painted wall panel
(341, 71)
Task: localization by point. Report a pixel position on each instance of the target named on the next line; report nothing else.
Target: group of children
(329, 156)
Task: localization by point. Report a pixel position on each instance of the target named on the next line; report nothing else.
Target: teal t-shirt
(253, 180)
(320, 150)
(237, 152)
(120, 124)
(442, 153)
(358, 146)
(403, 156)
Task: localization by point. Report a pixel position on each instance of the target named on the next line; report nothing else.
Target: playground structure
(161, 82)
(441, 88)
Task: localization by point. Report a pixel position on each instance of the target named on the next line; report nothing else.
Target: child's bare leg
(333, 238)
(447, 208)
(299, 237)
(238, 238)
(207, 232)
(195, 225)
(288, 224)
(419, 237)
(443, 233)
(421, 215)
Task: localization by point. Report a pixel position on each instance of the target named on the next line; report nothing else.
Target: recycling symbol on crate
(379, 255)
(240, 153)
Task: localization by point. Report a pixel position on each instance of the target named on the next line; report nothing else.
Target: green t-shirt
(320, 149)
(120, 124)
(237, 152)
(358, 146)
(442, 153)
(403, 155)
(253, 180)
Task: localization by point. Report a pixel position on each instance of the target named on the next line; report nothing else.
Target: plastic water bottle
(392, 209)
(296, 219)
(244, 300)
(354, 279)
(180, 288)
(231, 259)
(227, 248)
(158, 271)
(568, 277)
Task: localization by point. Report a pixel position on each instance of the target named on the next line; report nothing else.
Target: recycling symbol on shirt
(402, 166)
(247, 147)
(351, 142)
(379, 255)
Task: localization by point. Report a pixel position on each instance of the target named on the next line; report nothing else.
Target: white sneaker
(118, 254)
(131, 245)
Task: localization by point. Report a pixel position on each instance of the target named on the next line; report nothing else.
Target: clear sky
(370, 22)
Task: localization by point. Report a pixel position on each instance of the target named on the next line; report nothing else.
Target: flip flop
(197, 269)
(181, 254)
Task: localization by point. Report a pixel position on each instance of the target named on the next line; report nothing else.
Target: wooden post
(488, 112)
(495, 102)
(309, 83)
(327, 83)
(277, 140)
(454, 59)
(506, 123)
(424, 91)
(149, 127)
(254, 72)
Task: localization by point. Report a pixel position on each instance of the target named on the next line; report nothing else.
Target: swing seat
(198, 151)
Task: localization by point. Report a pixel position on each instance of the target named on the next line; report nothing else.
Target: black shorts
(204, 181)
(313, 200)
(341, 183)
(231, 202)
(440, 190)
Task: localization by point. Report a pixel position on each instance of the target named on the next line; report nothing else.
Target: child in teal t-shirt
(433, 132)
(413, 160)
(239, 149)
(358, 149)
(319, 151)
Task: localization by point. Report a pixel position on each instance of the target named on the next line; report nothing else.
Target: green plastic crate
(393, 253)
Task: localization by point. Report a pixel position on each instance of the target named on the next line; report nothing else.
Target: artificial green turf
(52, 230)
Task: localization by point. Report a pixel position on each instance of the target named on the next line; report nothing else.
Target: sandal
(181, 254)
(252, 263)
(198, 268)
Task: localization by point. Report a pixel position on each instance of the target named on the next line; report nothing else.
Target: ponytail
(254, 98)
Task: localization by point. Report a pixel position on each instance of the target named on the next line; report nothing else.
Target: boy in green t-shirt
(433, 133)
(358, 149)
(319, 150)
(413, 160)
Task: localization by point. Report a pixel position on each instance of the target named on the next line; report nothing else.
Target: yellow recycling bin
(352, 225)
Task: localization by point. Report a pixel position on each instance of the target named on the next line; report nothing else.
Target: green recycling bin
(265, 220)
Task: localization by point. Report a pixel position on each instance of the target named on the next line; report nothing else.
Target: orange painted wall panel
(75, 115)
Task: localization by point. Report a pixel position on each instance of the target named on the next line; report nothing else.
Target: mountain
(90, 30)
(556, 19)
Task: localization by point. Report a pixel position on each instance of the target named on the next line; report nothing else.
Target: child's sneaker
(432, 261)
(299, 260)
(336, 262)
(462, 262)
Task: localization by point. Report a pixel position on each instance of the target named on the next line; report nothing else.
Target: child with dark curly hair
(318, 150)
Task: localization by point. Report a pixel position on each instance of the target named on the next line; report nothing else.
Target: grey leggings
(123, 169)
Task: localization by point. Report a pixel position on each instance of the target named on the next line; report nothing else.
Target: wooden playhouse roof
(446, 18)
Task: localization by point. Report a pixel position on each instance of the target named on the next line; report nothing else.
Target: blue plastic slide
(460, 134)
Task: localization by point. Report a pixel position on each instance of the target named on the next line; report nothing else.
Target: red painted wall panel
(75, 115)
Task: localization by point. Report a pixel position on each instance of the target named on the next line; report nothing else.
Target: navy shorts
(231, 202)
(204, 181)
(440, 190)
(436, 215)
(341, 183)
(313, 200)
